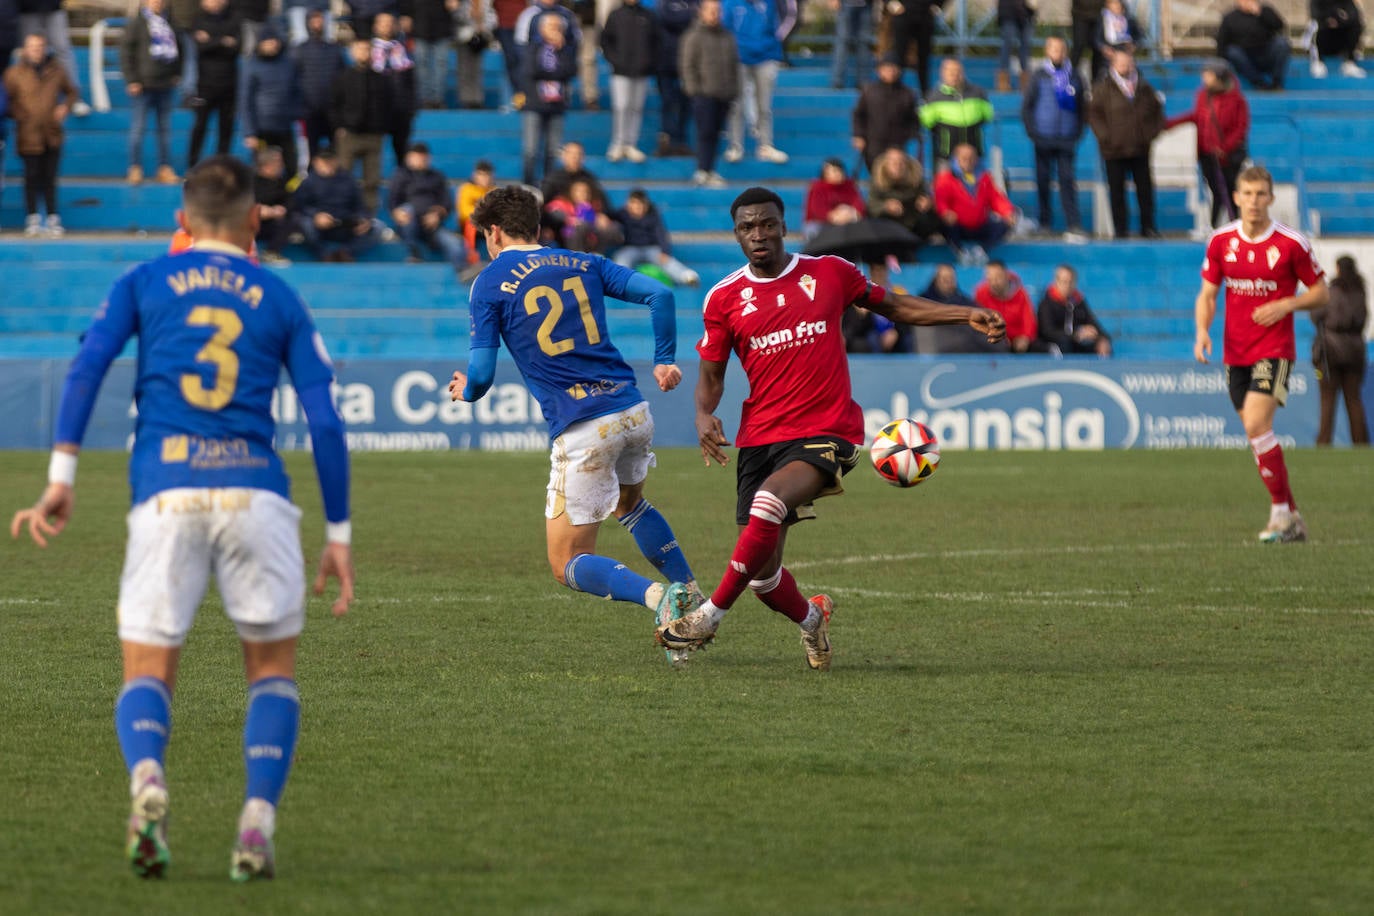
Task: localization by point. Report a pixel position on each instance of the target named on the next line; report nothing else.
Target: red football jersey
(786, 332)
(1253, 272)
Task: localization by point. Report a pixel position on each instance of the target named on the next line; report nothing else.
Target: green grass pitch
(1062, 683)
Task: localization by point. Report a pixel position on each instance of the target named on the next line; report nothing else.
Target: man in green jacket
(954, 112)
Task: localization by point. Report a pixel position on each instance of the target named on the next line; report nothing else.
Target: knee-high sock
(605, 578)
(269, 736)
(143, 720)
(657, 541)
(779, 591)
(1273, 470)
(755, 545)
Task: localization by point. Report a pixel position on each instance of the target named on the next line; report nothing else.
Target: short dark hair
(640, 195)
(513, 208)
(997, 262)
(756, 195)
(483, 165)
(218, 191)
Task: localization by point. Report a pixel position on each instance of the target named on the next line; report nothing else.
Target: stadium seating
(1314, 136)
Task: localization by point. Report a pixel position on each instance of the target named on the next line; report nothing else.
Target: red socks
(780, 593)
(755, 546)
(1272, 469)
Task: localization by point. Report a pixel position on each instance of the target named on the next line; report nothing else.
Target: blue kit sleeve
(115, 322)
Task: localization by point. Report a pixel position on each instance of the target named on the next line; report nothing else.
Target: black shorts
(1267, 376)
(756, 463)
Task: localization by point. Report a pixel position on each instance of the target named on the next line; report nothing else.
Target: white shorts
(249, 538)
(593, 459)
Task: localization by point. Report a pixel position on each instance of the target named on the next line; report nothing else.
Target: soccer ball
(905, 453)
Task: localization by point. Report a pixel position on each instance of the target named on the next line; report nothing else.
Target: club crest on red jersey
(808, 286)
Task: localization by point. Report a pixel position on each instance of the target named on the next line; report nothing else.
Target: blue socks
(605, 578)
(269, 736)
(143, 720)
(657, 542)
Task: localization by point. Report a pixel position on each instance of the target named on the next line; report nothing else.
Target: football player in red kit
(1260, 262)
(800, 429)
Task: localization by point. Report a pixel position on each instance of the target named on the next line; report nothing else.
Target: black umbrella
(868, 241)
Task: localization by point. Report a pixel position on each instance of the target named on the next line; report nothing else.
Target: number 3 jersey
(548, 305)
(214, 330)
(786, 332)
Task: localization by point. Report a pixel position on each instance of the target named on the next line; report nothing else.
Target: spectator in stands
(527, 28)
(49, 19)
(955, 338)
(898, 191)
(1338, 27)
(182, 14)
(275, 222)
(647, 240)
(1222, 118)
(215, 33)
(1052, 110)
(1115, 29)
(911, 26)
(1253, 39)
(151, 63)
(974, 211)
(954, 112)
(508, 14)
(869, 332)
(1086, 19)
(432, 31)
(9, 36)
(757, 28)
(550, 62)
(40, 96)
(1002, 291)
(470, 194)
(272, 98)
(1127, 115)
(1064, 319)
(1338, 352)
(572, 166)
(581, 226)
(630, 42)
(588, 46)
(391, 59)
(253, 14)
(674, 18)
(709, 64)
(336, 224)
(358, 110)
(320, 61)
(365, 13)
(473, 40)
(1016, 23)
(420, 200)
(298, 20)
(884, 117)
(853, 39)
(833, 199)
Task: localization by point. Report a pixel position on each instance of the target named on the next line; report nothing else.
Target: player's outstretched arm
(1204, 310)
(330, 451)
(710, 432)
(917, 310)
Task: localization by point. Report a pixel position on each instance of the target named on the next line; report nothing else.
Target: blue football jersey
(548, 305)
(214, 331)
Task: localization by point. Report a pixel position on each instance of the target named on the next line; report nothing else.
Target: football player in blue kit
(209, 494)
(547, 304)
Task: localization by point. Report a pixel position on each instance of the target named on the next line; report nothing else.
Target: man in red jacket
(1222, 117)
(975, 212)
(1002, 291)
